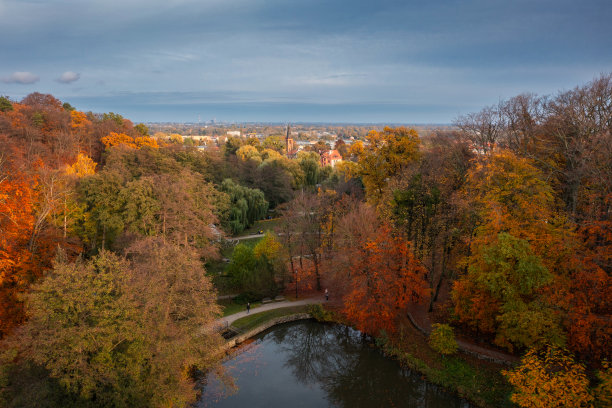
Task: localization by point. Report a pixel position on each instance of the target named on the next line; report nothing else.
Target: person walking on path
(248, 307)
(326, 294)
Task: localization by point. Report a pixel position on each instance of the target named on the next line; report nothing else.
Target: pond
(310, 364)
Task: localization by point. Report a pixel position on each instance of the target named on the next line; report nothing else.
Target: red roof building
(330, 158)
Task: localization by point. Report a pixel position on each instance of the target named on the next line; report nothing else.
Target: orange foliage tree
(79, 120)
(515, 252)
(511, 196)
(588, 289)
(384, 278)
(16, 226)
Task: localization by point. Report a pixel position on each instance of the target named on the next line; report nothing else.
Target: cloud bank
(21, 77)
(68, 77)
(274, 60)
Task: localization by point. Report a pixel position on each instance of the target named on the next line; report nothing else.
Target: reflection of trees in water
(317, 351)
(341, 362)
(218, 385)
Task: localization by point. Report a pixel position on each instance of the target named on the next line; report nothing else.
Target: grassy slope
(478, 380)
(230, 307)
(249, 322)
(265, 225)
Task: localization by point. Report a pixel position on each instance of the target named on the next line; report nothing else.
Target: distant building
(291, 150)
(198, 138)
(290, 144)
(235, 133)
(330, 158)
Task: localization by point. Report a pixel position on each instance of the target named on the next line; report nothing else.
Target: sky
(353, 61)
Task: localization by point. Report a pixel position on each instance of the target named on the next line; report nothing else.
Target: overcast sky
(299, 60)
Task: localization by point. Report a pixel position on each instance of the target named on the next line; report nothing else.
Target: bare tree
(482, 129)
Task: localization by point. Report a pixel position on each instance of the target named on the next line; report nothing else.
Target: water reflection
(308, 364)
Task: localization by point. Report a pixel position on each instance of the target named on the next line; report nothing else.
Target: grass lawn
(249, 322)
(230, 307)
(264, 225)
(251, 242)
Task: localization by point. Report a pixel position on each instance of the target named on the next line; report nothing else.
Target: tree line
(497, 229)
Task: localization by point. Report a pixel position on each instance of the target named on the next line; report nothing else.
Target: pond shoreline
(405, 359)
(316, 350)
(236, 340)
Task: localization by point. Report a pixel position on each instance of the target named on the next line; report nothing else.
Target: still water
(309, 364)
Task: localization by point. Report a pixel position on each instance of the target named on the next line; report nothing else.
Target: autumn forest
(494, 233)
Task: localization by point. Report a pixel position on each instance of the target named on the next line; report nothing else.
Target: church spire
(288, 148)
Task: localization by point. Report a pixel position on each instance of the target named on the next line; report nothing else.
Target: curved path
(421, 320)
(423, 325)
(228, 320)
(251, 236)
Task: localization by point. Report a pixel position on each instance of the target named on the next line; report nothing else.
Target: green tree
(5, 104)
(103, 220)
(114, 117)
(142, 129)
(309, 162)
(232, 145)
(117, 333)
(140, 206)
(247, 205)
(83, 329)
(442, 339)
(250, 273)
(509, 273)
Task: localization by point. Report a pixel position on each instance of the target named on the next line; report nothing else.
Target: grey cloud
(254, 55)
(21, 77)
(68, 77)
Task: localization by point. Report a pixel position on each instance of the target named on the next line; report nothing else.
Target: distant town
(322, 138)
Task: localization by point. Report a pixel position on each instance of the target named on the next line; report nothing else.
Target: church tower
(288, 141)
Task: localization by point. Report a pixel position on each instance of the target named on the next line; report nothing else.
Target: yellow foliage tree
(387, 153)
(269, 247)
(248, 152)
(116, 139)
(271, 155)
(549, 378)
(356, 149)
(176, 138)
(84, 166)
(142, 141)
(347, 169)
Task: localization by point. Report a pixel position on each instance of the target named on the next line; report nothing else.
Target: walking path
(417, 315)
(245, 237)
(420, 319)
(228, 320)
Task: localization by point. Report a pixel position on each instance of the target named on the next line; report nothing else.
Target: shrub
(319, 313)
(442, 339)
